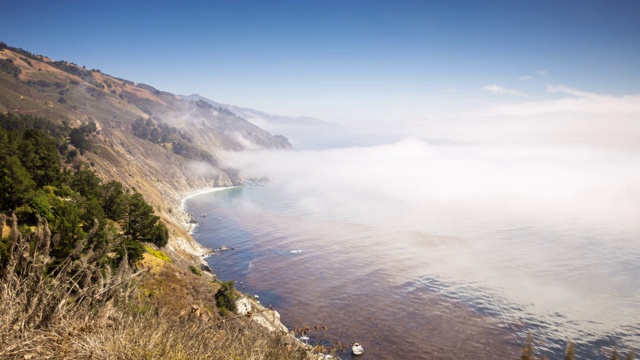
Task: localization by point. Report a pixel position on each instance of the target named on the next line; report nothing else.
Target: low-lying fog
(550, 226)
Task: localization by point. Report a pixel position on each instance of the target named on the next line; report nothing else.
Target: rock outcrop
(268, 318)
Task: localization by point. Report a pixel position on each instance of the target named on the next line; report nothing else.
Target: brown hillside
(69, 94)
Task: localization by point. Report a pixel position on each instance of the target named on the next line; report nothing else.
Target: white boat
(357, 349)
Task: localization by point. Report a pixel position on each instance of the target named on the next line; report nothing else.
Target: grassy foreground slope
(76, 310)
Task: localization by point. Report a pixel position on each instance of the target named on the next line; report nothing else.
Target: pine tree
(16, 184)
(39, 155)
(114, 201)
(140, 220)
(160, 235)
(86, 182)
(79, 140)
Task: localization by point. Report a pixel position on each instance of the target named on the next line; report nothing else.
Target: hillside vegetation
(151, 141)
(82, 275)
(94, 249)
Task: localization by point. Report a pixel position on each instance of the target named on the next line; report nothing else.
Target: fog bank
(552, 229)
(438, 187)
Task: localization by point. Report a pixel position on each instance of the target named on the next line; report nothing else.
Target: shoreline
(189, 226)
(267, 317)
(202, 191)
(294, 317)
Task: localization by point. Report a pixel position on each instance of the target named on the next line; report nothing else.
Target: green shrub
(195, 270)
(7, 66)
(157, 253)
(160, 234)
(226, 298)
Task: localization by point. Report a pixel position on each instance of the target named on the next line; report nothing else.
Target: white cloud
(570, 91)
(525, 77)
(563, 115)
(541, 72)
(246, 143)
(578, 103)
(568, 115)
(202, 168)
(497, 89)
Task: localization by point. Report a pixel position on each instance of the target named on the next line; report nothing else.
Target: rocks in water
(357, 349)
(223, 248)
(208, 253)
(192, 220)
(205, 267)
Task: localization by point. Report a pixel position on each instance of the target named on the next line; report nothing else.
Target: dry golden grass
(83, 311)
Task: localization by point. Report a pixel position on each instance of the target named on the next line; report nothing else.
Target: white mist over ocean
(450, 235)
(540, 238)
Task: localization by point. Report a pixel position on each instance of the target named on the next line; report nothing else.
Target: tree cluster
(20, 51)
(226, 298)
(74, 202)
(162, 133)
(65, 66)
(152, 90)
(27, 61)
(141, 103)
(74, 69)
(7, 66)
(203, 104)
(61, 135)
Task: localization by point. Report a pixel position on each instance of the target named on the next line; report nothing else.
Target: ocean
(423, 251)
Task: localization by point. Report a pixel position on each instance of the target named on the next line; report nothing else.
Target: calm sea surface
(421, 293)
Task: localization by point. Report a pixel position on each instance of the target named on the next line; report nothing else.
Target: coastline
(181, 240)
(190, 226)
(265, 317)
(202, 191)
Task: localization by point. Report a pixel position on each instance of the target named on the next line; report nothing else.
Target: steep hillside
(150, 140)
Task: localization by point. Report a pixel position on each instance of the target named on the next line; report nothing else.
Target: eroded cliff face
(152, 141)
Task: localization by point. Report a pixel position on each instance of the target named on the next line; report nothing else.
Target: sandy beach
(201, 192)
(191, 227)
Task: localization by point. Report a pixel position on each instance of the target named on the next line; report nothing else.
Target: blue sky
(344, 60)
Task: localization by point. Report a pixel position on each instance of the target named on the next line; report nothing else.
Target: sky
(398, 63)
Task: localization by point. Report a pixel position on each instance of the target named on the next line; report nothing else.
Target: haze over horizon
(407, 68)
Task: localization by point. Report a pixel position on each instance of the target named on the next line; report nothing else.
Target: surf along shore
(247, 305)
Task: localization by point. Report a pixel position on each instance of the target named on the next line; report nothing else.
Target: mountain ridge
(304, 132)
(240, 110)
